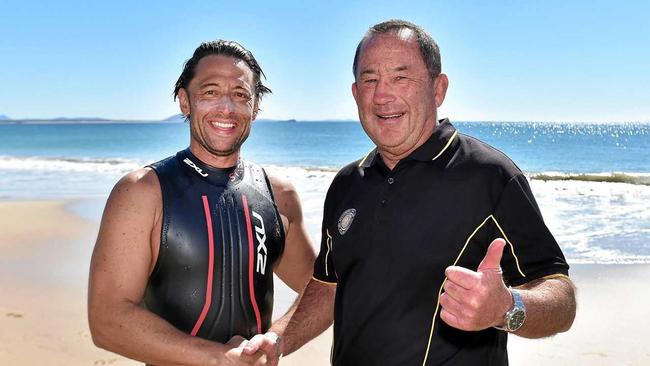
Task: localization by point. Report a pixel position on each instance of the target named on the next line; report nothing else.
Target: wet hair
(428, 47)
(222, 47)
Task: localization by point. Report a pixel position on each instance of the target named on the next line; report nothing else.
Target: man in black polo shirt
(433, 240)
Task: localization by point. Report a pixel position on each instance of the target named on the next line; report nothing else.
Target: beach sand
(43, 277)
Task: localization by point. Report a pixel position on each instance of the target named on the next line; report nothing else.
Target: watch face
(516, 320)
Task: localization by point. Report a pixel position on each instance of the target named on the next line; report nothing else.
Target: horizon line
(179, 119)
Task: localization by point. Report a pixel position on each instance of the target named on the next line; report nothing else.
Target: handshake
(262, 349)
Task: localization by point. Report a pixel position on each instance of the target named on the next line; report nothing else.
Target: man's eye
(209, 92)
(399, 77)
(369, 81)
(242, 95)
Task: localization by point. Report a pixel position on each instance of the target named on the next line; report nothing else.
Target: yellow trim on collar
(366, 157)
(446, 146)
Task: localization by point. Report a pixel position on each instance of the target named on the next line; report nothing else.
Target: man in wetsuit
(182, 270)
(433, 248)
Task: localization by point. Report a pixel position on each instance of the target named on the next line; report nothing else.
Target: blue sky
(506, 60)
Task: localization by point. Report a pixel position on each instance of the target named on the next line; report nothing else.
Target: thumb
(492, 259)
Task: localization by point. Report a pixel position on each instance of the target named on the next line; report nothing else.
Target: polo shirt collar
(437, 144)
(430, 150)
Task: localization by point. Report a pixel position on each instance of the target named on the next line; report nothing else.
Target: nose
(383, 93)
(224, 104)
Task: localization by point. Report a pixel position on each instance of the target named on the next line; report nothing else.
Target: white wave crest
(66, 164)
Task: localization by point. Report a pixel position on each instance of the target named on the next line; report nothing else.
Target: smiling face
(221, 103)
(396, 96)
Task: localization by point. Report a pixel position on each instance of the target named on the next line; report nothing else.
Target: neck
(391, 159)
(215, 161)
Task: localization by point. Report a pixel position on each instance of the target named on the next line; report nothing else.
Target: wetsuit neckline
(219, 176)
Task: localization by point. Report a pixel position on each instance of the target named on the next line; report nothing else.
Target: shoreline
(44, 267)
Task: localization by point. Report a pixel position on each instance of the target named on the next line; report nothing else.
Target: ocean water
(592, 181)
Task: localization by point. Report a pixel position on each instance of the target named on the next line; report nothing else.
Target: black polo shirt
(388, 236)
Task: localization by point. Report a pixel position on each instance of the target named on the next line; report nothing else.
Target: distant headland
(177, 118)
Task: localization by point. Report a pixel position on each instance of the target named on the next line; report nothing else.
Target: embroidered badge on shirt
(346, 220)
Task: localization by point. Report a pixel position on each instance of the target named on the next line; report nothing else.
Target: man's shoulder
(139, 185)
(478, 154)
(142, 178)
(281, 185)
(350, 171)
(169, 162)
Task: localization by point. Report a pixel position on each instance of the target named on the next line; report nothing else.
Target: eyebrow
(214, 84)
(208, 85)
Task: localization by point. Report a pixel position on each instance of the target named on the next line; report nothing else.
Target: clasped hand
(262, 349)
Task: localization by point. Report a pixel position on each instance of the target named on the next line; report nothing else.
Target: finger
(455, 291)
(237, 341)
(492, 259)
(264, 344)
(462, 277)
(451, 305)
(255, 344)
(449, 318)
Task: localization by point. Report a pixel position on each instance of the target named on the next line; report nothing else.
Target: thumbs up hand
(476, 300)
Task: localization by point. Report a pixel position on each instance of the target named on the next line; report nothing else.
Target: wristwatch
(514, 318)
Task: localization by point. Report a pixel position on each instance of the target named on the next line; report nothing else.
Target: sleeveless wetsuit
(221, 235)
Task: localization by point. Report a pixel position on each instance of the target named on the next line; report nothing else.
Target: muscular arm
(297, 261)
(121, 263)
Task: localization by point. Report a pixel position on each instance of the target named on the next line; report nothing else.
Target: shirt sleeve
(531, 251)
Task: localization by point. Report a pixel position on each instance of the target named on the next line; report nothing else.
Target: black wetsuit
(221, 235)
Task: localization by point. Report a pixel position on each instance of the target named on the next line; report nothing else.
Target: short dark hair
(428, 47)
(223, 48)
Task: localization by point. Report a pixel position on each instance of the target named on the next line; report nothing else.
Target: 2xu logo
(192, 165)
(260, 235)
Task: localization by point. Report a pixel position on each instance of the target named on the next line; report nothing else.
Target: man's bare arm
(309, 316)
(294, 267)
(312, 316)
(297, 262)
(121, 264)
(550, 307)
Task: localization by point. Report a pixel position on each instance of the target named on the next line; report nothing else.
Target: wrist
(514, 317)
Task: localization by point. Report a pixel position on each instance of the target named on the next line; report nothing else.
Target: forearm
(310, 316)
(136, 333)
(550, 307)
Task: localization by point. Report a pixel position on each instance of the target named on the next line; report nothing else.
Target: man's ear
(441, 85)
(184, 102)
(354, 92)
(256, 108)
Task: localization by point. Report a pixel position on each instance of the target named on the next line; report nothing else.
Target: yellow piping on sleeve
(435, 313)
(321, 281)
(329, 248)
(512, 247)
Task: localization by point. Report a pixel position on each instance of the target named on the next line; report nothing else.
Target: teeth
(392, 116)
(223, 125)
